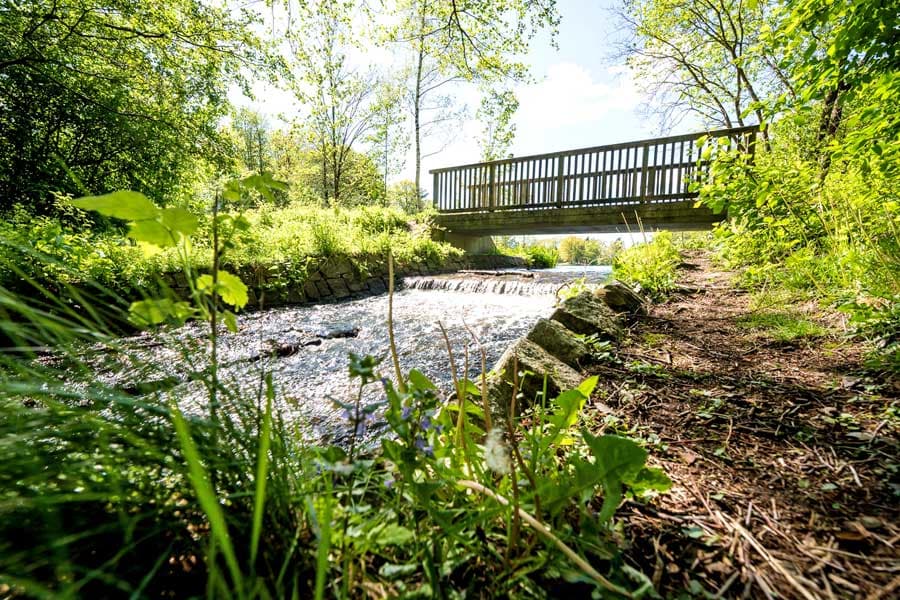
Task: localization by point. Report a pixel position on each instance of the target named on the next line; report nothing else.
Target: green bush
(651, 265)
(536, 256)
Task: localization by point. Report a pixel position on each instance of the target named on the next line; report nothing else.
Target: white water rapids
(306, 348)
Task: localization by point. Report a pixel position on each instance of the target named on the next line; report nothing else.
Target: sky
(582, 95)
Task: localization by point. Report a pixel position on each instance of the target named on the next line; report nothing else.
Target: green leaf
(230, 321)
(151, 232)
(232, 290)
(650, 479)
(617, 460)
(394, 535)
(125, 204)
(145, 313)
(420, 381)
(569, 405)
(587, 386)
(179, 220)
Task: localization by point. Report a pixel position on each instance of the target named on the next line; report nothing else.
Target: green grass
(652, 265)
(782, 326)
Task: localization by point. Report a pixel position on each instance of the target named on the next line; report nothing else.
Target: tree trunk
(417, 104)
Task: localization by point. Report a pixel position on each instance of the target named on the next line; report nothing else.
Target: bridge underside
(467, 230)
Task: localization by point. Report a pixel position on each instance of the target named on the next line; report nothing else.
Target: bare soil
(784, 456)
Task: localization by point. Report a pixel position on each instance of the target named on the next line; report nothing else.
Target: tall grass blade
(207, 496)
(262, 471)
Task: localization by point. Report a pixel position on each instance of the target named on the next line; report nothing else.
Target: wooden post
(434, 192)
(645, 183)
(492, 171)
(560, 181)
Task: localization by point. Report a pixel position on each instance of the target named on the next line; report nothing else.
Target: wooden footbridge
(604, 189)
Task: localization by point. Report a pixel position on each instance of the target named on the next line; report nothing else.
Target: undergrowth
(651, 265)
(107, 492)
(67, 249)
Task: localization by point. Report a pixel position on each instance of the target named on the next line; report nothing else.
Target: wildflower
(406, 413)
(422, 445)
(496, 454)
(425, 423)
(389, 482)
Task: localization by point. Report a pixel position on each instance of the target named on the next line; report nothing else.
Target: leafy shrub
(537, 256)
(587, 251)
(541, 257)
(651, 265)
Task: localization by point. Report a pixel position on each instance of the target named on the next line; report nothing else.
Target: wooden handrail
(652, 170)
(735, 131)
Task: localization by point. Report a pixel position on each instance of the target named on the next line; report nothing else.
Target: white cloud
(570, 95)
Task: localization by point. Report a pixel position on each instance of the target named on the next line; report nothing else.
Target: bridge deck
(588, 189)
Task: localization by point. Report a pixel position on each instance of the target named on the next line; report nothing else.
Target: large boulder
(561, 342)
(527, 357)
(587, 315)
(621, 298)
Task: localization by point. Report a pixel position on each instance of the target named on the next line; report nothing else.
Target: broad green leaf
(420, 381)
(179, 220)
(232, 290)
(649, 479)
(125, 204)
(151, 232)
(617, 459)
(393, 535)
(150, 312)
(615, 456)
(145, 313)
(569, 405)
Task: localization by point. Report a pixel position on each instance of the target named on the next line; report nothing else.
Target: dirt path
(784, 458)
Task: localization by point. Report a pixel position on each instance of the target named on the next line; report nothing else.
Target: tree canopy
(110, 94)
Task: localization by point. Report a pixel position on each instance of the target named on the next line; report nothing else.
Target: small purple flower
(385, 382)
(406, 413)
(425, 423)
(422, 445)
(389, 482)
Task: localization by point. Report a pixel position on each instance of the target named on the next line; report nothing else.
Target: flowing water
(306, 348)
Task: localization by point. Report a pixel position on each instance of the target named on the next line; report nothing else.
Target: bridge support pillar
(471, 244)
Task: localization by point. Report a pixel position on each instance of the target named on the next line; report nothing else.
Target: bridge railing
(649, 171)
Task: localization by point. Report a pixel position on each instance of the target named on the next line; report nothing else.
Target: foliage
(537, 256)
(281, 242)
(406, 197)
(588, 251)
(704, 58)
(465, 40)
(114, 94)
(105, 492)
(496, 113)
(652, 265)
(341, 98)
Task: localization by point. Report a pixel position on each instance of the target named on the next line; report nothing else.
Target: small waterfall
(484, 285)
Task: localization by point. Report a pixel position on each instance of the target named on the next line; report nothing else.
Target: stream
(306, 348)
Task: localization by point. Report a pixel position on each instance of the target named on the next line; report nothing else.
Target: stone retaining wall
(340, 278)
